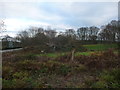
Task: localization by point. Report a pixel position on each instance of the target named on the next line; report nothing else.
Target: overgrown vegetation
(96, 70)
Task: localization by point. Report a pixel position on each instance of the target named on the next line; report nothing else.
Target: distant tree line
(50, 39)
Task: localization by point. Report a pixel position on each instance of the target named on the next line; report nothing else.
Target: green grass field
(84, 53)
(94, 47)
(53, 55)
(100, 47)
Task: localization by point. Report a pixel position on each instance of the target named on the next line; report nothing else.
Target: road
(11, 50)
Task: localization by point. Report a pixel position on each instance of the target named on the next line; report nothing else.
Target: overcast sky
(58, 15)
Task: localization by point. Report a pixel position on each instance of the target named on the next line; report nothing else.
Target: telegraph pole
(119, 27)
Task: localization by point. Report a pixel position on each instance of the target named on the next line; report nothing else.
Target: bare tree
(82, 33)
(70, 33)
(2, 29)
(2, 26)
(93, 31)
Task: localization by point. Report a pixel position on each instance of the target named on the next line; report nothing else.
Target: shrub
(99, 84)
(27, 65)
(111, 79)
(7, 72)
(20, 75)
(99, 61)
(64, 69)
(54, 67)
(79, 68)
(7, 83)
(18, 83)
(30, 57)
